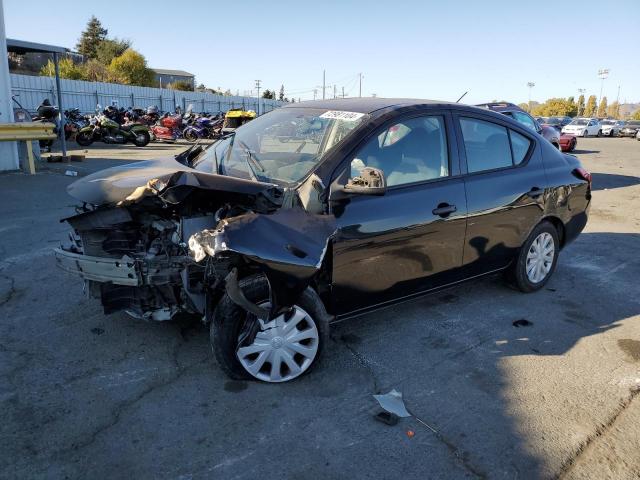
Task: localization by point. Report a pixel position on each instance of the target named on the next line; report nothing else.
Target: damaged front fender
(289, 246)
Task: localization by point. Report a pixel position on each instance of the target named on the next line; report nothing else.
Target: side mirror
(370, 182)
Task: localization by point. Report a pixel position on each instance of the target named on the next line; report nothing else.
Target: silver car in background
(611, 128)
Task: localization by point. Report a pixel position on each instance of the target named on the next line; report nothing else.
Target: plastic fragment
(392, 402)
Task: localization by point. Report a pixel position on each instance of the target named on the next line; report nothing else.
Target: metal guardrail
(27, 131)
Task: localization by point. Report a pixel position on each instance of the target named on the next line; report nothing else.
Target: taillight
(583, 174)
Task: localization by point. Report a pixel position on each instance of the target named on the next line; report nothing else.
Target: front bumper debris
(119, 271)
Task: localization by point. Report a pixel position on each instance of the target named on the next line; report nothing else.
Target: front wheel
(585, 133)
(537, 259)
(599, 134)
(190, 135)
(572, 145)
(141, 139)
(276, 351)
(84, 139)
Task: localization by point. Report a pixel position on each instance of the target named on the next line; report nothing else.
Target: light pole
(530, 85)
(602, 73)
(258, 87)
(360, 85)
(581, 92)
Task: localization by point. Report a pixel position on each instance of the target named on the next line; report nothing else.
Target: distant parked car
(522, 117)
(611, 128)
(583, 127)
(568, 142)
(638, 135)
(630, 128)
(555, 122)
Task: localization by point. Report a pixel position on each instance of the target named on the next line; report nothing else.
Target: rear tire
(530, 272)
(599, 133)
(142, 139)
(230, 321)
(572, 145)
(585, 134)
(84, 139)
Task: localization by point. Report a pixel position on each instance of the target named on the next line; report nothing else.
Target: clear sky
(425, 49)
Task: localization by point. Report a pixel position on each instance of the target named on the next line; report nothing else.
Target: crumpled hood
(134, 180)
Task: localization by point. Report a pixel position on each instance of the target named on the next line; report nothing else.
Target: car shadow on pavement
(602, 181)
(472, 362)
(579, 151)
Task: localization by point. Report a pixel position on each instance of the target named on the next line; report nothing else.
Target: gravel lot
(91, 396)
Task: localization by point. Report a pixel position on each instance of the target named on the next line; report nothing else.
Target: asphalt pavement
(501, 384)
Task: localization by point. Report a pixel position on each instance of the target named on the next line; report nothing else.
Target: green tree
(590, 109)
(91, 37)
(181, 85)
(110, 48)
(614, 110)
(268, 94)
(602, 108)
(130, 68)
(281, 95)
(524, 106)
(555, 107)
(68, 69)
(95, 71)
(636, 115)
(580, 105)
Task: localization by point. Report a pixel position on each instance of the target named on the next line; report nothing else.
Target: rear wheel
(599, 133)
(84, 139)
(585, 133)
(141, 139)
(572, 145)
(537, 259)
(277, 351)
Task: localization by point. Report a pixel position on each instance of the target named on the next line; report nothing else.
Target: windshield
(284, 145)
(578, 122)
(206, 161)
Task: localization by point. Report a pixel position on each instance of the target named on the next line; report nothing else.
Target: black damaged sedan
(319, 211)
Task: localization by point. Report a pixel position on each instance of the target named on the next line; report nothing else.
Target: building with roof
(164, 77)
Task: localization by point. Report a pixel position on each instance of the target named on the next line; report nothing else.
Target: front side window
(410, 151)
(489, 146)
(525, 120)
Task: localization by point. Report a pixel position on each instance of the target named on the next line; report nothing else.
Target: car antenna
(462, 96)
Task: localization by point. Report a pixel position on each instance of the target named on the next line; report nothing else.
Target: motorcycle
(203, 127)
(168, 128)
(74, 121)
(102, 128)
(47, 113)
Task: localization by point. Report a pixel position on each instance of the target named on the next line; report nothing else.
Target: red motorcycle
(168, 128)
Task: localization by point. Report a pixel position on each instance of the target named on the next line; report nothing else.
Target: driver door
(410, 239)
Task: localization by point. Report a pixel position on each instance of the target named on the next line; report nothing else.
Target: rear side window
(489, 146)
(520, 146)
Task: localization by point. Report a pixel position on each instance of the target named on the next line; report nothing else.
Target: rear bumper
(119, 271)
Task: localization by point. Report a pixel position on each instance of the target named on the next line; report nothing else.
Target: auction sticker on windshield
(339, 115)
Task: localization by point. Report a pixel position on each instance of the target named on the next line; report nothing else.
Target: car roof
(366, 104)
(500, 107)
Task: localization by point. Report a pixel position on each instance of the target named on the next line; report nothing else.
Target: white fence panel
(32, 90)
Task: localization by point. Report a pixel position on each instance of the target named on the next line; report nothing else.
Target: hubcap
(540, 257)
(283, 348)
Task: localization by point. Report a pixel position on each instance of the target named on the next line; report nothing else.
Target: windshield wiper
(251, 160)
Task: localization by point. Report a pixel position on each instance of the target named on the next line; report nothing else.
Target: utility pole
(258, 87)
(324, 83)
(315, 92)
(343, 91)
(581, 92)
(602, 73)
(530, 85)
(360, 85)
(334, 91)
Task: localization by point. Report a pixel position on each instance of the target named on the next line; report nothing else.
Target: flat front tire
(537, 258)
(277, 351)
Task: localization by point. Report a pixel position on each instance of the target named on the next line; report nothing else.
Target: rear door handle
(535, 192)
(444, 210)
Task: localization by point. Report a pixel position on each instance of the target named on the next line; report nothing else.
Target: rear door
(410, 239)
(505, 183)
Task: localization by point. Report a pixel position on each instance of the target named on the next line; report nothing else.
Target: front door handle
(444, 210)
(535, 192)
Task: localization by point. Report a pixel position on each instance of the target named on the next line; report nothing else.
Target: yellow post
(32, 165)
